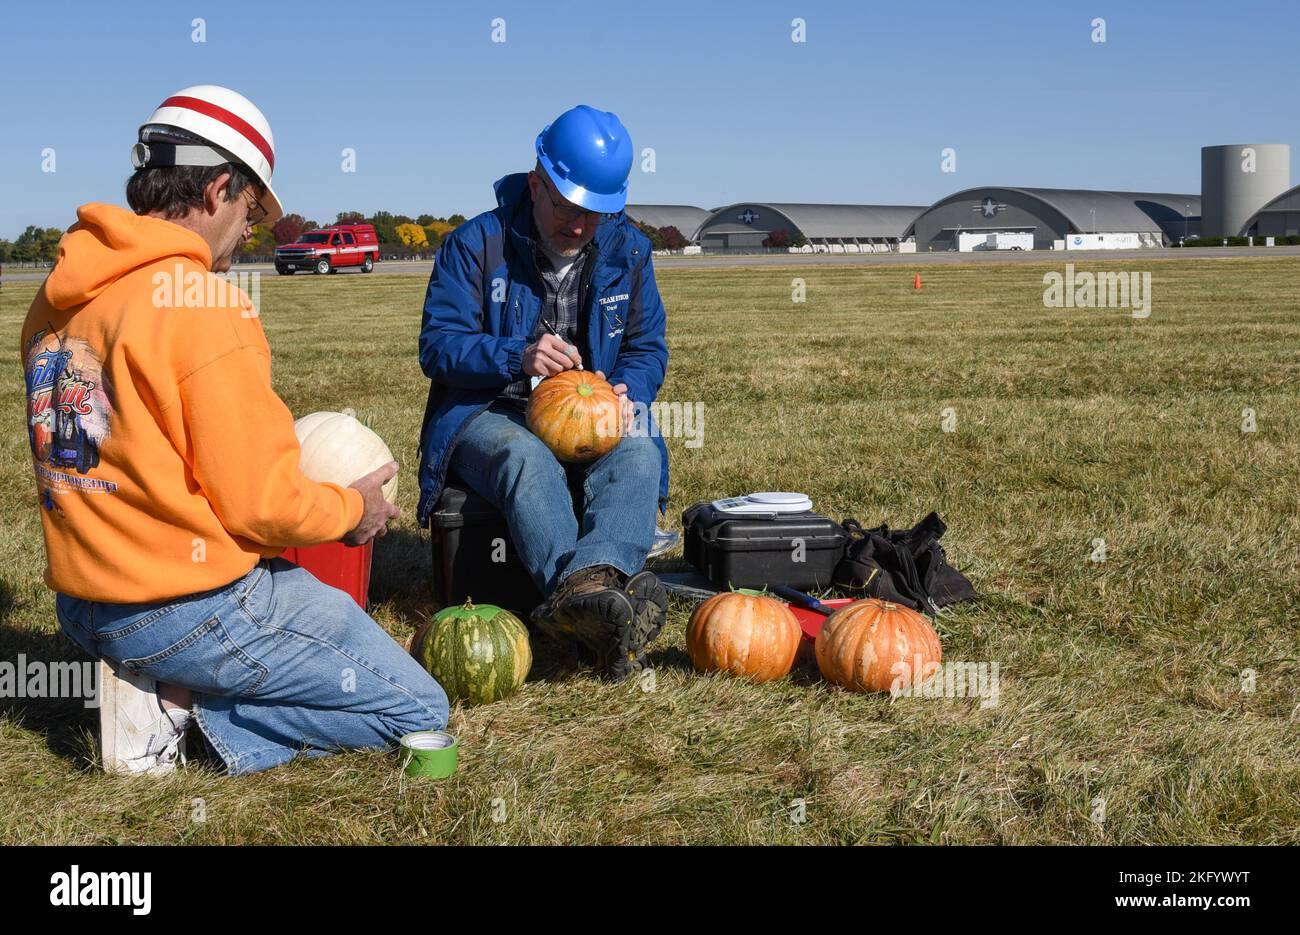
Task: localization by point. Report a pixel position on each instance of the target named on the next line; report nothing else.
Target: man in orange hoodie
(167, 476)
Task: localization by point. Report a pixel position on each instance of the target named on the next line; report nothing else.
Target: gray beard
(567, 253)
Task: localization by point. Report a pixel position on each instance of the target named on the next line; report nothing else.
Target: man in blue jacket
(555, 277)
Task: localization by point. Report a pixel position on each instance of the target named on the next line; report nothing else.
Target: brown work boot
(649, 604)
(591, 607)
(584, 580)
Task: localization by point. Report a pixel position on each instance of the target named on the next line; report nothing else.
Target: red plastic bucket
(340, 566)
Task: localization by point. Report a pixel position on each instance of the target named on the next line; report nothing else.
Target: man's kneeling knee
(423, 706)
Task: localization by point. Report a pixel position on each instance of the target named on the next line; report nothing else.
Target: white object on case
(771, 501)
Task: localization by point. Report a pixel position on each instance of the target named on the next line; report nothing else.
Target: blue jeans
(510, 467)
(279, 664)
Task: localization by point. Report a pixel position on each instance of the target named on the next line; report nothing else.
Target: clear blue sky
(734, 110)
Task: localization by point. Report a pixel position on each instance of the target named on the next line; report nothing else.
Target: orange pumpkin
(744, 633)
(577, 414)
(870, 644)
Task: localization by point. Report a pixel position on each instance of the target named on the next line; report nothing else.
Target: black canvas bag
(906, 566)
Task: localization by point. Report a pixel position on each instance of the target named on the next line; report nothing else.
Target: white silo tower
(1237, 180)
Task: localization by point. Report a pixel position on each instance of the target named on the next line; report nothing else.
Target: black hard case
(759, 550)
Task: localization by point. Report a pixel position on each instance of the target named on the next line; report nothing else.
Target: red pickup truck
(330, 249)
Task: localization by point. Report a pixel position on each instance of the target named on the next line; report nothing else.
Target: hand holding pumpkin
(620, 390)
(376, 511)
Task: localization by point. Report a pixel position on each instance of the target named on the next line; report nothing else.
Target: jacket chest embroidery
(611, 308)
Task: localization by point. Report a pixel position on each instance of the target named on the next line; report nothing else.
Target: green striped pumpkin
(478, 654)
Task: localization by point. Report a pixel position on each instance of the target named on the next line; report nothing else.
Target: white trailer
(1013, 240)
(968, 241)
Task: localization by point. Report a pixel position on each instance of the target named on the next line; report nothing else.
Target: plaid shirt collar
(560, 301)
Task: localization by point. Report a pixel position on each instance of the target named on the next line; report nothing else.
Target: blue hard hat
(588, 154)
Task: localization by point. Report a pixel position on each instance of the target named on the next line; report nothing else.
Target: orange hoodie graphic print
(69, 409)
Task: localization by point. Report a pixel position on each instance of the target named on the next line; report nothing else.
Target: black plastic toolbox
(736, 550)
(469, 534)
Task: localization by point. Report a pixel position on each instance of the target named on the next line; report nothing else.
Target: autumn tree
(656, 238)
(412, 235)
(672, 238)
(436, 230)
(289, 228)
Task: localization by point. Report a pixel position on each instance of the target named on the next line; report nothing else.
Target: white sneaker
(136, 734)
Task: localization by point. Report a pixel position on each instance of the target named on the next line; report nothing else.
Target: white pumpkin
(337, 449)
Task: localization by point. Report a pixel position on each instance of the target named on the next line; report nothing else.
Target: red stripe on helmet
(232, 120)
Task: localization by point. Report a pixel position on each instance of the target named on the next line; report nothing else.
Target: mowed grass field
(1126, 712)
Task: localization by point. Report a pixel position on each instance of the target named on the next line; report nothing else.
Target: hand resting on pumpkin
(620, 390)
(376, 511)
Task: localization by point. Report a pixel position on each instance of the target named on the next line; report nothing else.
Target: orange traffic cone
(916, 283)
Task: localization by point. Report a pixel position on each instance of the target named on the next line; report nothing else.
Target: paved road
(403, 268)
(1004, 256)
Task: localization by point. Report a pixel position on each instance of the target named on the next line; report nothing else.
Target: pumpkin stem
(584, 389)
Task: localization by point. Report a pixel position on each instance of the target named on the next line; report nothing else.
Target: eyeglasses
(256, 213)
(565, 212)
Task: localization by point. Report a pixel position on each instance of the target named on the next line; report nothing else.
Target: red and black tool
(808, 610)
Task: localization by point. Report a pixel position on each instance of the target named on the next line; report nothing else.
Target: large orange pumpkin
(577, 414)
(869, 644)
(744, 633)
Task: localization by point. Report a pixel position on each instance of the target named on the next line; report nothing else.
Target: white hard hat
(209, 125)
